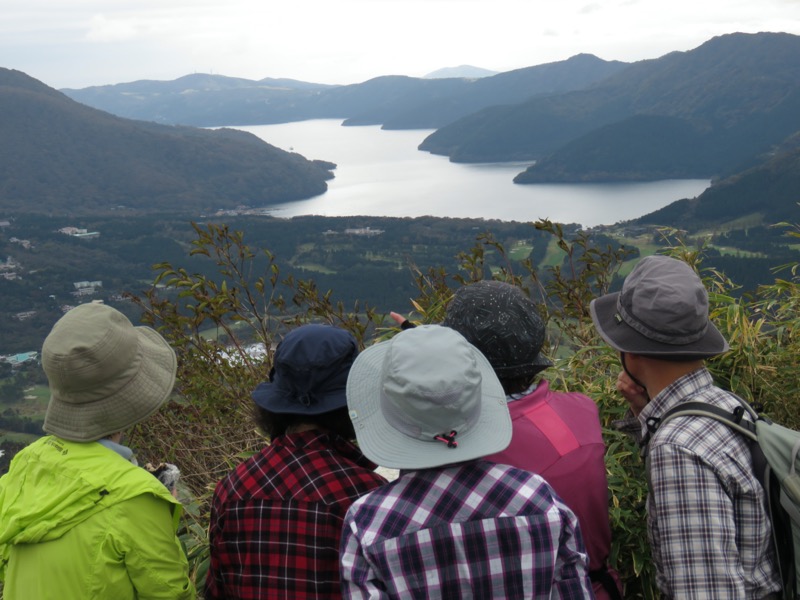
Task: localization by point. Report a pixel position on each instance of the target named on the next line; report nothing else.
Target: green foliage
(207, 430)
(214, 324)
(564, 292)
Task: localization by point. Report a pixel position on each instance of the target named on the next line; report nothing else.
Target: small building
(79, 232)
(364, 231)
(24, 315)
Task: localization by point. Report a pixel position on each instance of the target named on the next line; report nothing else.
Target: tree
(208, 429)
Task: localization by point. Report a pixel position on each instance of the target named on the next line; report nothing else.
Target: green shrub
(209, 429)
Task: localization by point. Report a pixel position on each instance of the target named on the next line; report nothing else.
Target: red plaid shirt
(276, 520)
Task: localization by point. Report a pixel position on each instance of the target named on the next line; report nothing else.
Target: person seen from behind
(276, 519)
(78, 518)
(557, 435)
(452, 525)
(707, 520)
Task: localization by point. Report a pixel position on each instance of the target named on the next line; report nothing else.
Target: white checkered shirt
(708, 526)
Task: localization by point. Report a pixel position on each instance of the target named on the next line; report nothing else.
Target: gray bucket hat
(662, 311)
(503, 323)
(105, 375)
(426, 398)
(309, 372)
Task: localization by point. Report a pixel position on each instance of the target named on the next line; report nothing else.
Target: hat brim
(624, 338)
(270, 396)
(138, 398)
(388, 447)
(540, 363)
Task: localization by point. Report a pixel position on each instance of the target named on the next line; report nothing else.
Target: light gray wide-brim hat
(662, 312)
(105, 374)
(406, 396)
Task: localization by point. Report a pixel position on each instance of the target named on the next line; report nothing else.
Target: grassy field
(520, 251)
(20, 438)
(34, 405)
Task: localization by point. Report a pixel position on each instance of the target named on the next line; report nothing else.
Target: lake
(381, 173)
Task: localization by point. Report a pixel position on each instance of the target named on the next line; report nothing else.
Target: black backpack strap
(733, 419)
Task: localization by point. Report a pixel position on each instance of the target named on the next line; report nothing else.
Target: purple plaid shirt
(472, 530)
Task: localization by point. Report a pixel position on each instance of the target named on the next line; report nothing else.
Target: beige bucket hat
(105, 374)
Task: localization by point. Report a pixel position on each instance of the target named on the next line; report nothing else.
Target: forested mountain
(703, 113)
(61, 157)
(396, 102)
(575, 73)
(766, 193)
(706, 111)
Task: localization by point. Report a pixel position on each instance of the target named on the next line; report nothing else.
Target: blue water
(381, 173)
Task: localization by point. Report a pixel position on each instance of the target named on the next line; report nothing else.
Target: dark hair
(516, 385)
(274, 424)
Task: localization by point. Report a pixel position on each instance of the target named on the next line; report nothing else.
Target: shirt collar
(123, 451)
(318, 438)
(677, 391)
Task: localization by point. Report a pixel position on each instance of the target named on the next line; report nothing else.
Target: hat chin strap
(629, 374)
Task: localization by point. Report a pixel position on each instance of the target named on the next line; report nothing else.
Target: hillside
(366, 268)
(59, 156)
(397, 102)
(575, 73)
(733, 97)
(202, 100)
(764, 194)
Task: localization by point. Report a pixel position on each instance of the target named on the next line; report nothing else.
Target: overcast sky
(78, 43)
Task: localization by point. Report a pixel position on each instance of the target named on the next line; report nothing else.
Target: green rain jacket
(78, 521)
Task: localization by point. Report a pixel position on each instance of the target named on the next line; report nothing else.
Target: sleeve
(692, 527)
(571, 574)
(359, 580)
(154, 558)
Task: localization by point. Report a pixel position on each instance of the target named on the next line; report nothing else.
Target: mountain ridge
(393, 101)
(59, 155)
(739, 92)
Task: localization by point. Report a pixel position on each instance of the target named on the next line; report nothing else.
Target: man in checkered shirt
(707, 521)
(451, 526)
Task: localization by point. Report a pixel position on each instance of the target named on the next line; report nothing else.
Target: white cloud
(103, 29)
(84, 42)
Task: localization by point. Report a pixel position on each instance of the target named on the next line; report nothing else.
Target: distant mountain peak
(463, 71)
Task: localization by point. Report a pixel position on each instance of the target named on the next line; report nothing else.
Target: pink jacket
(558, 436)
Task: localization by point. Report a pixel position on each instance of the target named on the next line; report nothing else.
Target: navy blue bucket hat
(309, 372)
